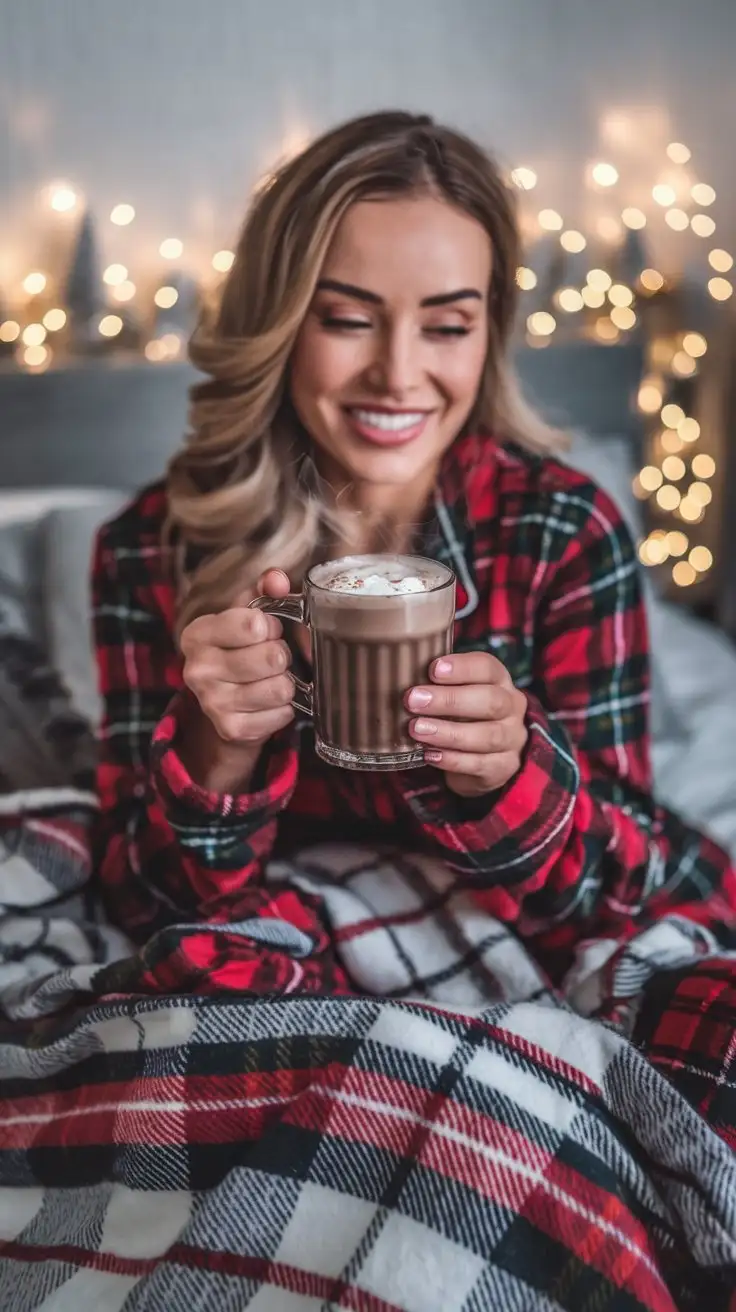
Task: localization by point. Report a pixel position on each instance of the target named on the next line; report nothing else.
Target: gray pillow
(21, 608)
(69, 536)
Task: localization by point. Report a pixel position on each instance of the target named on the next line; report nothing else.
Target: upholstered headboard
(115, 425)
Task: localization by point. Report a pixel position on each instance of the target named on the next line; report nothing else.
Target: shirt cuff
(182, 797)
(493, 831)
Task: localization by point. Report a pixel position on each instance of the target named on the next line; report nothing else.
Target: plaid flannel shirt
(573, 845)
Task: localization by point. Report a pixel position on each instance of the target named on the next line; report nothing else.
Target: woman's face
(388, 361)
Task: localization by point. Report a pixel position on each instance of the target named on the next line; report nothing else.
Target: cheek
(320, 367)
(462, 374)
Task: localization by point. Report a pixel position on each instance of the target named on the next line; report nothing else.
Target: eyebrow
(361, 294)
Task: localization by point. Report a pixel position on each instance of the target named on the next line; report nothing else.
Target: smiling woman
(360, 400)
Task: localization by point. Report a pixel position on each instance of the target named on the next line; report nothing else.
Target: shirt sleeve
(576, 836)
(166, 849)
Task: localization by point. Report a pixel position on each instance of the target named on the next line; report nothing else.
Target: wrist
(215, 765)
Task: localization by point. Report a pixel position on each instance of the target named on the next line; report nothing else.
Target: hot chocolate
(377, 622)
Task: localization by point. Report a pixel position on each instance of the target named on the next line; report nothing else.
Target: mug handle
(289, 608)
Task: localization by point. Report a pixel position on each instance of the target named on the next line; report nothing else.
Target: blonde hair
(240, 488)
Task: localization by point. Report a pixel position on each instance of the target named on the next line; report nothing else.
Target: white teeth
(389, 423)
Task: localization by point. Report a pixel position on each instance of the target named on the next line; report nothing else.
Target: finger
(273, 583)
(470, 702)
(265, 695)
(483, 738)
(490, 771)
(241, 627)
(252, 727)
(250, 664)
(469, 667)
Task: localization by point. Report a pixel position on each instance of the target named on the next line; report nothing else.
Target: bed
(433, 1151)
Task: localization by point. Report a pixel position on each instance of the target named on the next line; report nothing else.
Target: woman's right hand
(236, 667)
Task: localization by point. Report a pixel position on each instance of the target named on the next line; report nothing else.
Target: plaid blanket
(467, 1140)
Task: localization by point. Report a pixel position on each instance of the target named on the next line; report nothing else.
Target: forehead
(409, 247)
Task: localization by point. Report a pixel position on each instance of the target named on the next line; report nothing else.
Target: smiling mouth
(387, 427)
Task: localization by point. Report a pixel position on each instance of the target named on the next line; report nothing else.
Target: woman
(360, 399)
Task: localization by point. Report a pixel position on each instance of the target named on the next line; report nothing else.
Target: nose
(397, 368)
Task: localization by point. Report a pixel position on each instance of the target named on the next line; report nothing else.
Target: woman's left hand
(471, 722)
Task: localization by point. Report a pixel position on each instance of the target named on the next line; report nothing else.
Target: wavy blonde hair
(239, 490)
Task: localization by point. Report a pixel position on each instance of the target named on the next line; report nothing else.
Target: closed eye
(334, 324)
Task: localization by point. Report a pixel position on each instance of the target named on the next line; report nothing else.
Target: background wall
(177, 106)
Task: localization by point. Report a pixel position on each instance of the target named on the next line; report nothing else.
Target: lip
(379, 436)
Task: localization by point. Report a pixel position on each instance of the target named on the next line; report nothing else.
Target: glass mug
(368, 649)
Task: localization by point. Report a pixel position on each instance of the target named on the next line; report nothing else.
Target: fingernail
(419, 700)
(425, 727)
(443, 667)
(433, 757)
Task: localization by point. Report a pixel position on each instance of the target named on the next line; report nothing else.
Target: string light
(683, 574)
(54, 320)
(9, 331)
(695, 344)
(677, 543)
(688, 429)
(125, 291)
(650, 398)
(720, 260)
(702, 194)
(651, 279)
(668, 497)
(36, 357)
(525, 179)
(678, 153)
(550, 220)
(700, 493)
(672, 416)
(115, 274)
(720, 289)
(593, 298)
(223, 261)
(526, 279)
(618, 294)
(166, 297)
(570, 299)
(690, 510)
(701, 559)
(674, 468)
(599, 279)
(34, 283)
(573, 241)
(683, 364)
(34, 334)
(110, 325)
(634, 218)
(677, 220)
(664, 195)
(703, 465)
(606, 331)
(541, 324)
(702, 225)
(651, 478)
(63, 199)
(670, 441)
(171, 248)
(605, 175)
(122, 215)
(623, 317)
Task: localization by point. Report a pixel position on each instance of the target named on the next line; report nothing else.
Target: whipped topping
(376, 585)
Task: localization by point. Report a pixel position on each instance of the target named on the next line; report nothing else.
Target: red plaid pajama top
(574, 845)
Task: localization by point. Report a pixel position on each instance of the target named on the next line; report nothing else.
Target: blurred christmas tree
(84, 292)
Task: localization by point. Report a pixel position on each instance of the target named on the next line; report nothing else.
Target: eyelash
(446, 330)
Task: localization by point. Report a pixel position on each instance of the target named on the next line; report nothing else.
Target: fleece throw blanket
(460, 1138)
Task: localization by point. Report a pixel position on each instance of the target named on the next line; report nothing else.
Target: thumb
(272, 583)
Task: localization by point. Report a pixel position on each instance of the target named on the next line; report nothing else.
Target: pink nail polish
(419, 700)
(425, 727)
(433, 757)
(443, 668)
